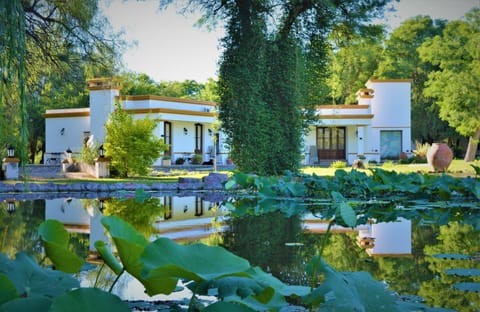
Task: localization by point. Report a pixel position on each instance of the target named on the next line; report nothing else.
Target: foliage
(274, 52)
(65, 43)
(421, 150)
(455, 83)
(89, 153)
(338, 164)
(131, 144)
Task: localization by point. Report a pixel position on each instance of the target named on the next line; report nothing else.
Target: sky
(168, 47)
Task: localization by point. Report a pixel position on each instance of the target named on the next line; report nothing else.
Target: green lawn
(458, 168)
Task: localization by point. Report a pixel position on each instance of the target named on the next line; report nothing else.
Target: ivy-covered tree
(455, 85)
(131, 143)
(267, 48)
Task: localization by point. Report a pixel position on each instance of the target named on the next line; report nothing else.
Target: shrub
(131, 144)
(338, 164)
(421, 150)
(179, 161)
(372, 162)
(88, 154)
(197, 159)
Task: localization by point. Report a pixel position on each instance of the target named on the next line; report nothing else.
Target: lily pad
(8, 291)
(88, 299)
(463, 272)
(27, 305)
(33, 281)
(55, 239)
(475, 287)
(166, 259)
(222, 306)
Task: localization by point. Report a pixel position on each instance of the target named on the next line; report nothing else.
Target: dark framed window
(198, 138)
(167, 136)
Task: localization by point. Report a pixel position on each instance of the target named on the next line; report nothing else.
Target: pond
(397, 253)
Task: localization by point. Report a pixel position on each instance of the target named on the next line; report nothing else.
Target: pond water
(400, 254)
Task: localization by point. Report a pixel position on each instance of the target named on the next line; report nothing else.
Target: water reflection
(399, 254)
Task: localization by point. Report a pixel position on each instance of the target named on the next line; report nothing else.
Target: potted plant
(166, 161)
(197, 159)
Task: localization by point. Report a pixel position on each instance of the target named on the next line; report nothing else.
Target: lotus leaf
(165, 259)
(55, 239)
(88, 299)
(33, 281)
(27, 305)
(8, 291)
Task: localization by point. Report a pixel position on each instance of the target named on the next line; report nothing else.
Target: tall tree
(39, 42)
(455, 85)
(354, 60)
(261, 103)
(400, 60)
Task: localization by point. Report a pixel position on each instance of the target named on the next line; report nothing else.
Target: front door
(331, 142)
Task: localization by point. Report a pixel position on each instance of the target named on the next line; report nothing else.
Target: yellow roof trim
(346, 106)
(163, 98)
(389, 80)
(343, 116)
(168, 111)
(59, 113)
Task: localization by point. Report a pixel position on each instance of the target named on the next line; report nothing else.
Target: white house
(377, 128)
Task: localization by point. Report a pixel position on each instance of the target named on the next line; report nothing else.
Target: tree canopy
(455, 84)
(264, 73)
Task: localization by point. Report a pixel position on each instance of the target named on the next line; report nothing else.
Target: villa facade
(377, 128)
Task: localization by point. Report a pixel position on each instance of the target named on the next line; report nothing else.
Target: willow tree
(267, 69)
(41, 42)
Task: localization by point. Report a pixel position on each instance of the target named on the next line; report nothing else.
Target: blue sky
(167, 46)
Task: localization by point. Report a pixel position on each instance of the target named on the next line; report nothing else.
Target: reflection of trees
(454, 238)
(18, 231)
(262, 240)
(141, 216)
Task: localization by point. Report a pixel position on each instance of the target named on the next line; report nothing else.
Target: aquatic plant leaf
(476, 190)
(108, 257)
(130, 245)
(222, 306)
(230, 184)
(88, 299)
(33, 281)
(452, 256)
(296, 189)
(27, 305)
(463, 272)
(267, 279)
(241, 286)
(55, 240)
(475, 287)
(166, 259)
(348, 214)
(8, 291)
(349, 291)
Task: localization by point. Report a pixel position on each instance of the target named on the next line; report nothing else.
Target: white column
(360, 140)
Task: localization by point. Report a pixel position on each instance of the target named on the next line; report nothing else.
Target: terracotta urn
(439, 156)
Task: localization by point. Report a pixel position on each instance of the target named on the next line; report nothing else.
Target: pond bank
(212, 182)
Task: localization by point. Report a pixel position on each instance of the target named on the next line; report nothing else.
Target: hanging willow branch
(13, 49)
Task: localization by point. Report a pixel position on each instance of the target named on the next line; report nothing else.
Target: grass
(458, 168)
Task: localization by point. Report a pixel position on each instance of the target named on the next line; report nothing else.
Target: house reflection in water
(185, 218)
(384, 239)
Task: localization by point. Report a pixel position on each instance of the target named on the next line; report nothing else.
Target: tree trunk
(472, 147)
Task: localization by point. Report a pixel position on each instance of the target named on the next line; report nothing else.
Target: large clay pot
(439, 156)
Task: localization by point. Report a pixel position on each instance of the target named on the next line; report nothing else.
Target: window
(198, 138)
(390, 144)
(167, 136)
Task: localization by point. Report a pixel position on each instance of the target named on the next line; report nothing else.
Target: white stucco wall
(72, 136)
(101, 106)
